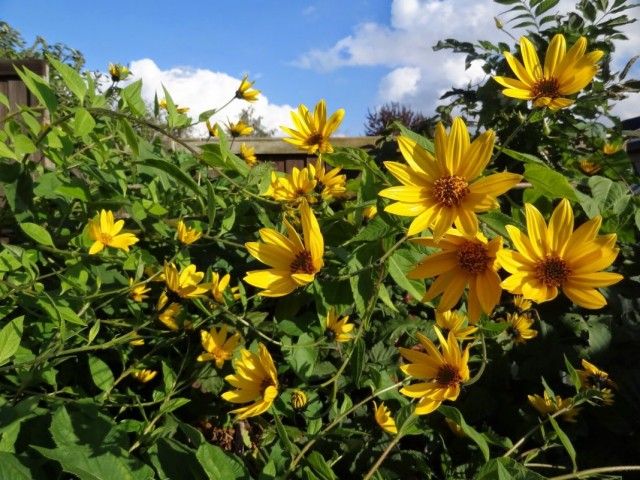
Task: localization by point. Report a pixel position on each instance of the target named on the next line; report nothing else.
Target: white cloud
(201, 90)
(405, 47)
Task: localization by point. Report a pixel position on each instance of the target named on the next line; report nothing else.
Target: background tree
(248, 116)
(380, 119)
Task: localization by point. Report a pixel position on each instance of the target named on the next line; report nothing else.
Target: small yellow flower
(138, 291)
(519, 328)
(333, 185)
(118, 72)
(218, 346)
(384, 419)
(105, 232)
(611, 148)
(219, 285)
(299, 399)
(213, 129)
(338, 329)
(183, 284)
(144, 375)
(298, 185)
(163, 105)
(248, 154)
(313, 132)
(255, 380)
(522, 304)
(546, 405)
(137, 342)
(594, 378)
(245, 92)
(369, 213)
(188, 235)
(169, 316)
(454, 322)
(589, 167)
(239, 129)
(440, 372)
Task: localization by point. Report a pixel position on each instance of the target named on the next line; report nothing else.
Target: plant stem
(595, 471)
(387, 450)
(519, 443)
(483, 365)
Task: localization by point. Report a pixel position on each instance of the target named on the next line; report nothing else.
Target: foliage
(382, 118)
(99, 353)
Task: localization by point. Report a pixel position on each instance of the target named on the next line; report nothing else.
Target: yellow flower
(333, 185)
(239, 129)
(293, 263)
(245, 92)
(440, 374)
(384, 419)
(521, 303)
(105, 232)
(118, 72)
(219, 285)
(611, 148)
(255, 380)
(298, 399)
(217, 345)
(594, 378)
(188, 235)
(182, 284)
(447, 188)
(138, 291)
(556, 257)
(212, 129)
(169, 316)
(547, 405)
(454, 322)
(163, 105)
(464, 260)
(299, 184)
(248, 154)
(564, 72)
(137, 342)
(369, 213)
(338, 329)
(144, 375)
(312, 132)
(519, 328)
(589, 167)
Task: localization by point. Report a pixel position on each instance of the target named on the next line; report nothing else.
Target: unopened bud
(499, 24)
(298, 400)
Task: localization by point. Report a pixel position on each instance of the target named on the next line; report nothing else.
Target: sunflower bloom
(218, 347)
(245, 92)
(589, 167)
(546, 405)
(169, 316)
(519, 327)
(312, 132)
(294, 261)
(138, 291)
(464, 261)
(333, 184)
(118, 72)
(338, 329)
(384, 419)
(163, 105)
(448, 188)
(564, 72)
(299, 184)
(255, 380)
(183, 284)
(219, 285)
(454, 322)
(612, 148)
(239, 129)
(369, 213)
(440, 372)
(521, 303)
(248, 154)
(557, 258)
(105, 232)
(594, 378)
(144, 375)
(188, 235)
(212, 129)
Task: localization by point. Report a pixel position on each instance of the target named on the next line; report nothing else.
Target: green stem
(390, 447)
(483, 365)
(596, 471)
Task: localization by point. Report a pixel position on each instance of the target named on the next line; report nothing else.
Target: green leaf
(6, 152)
(70, 77)
(39, 88)
(566, 443)
(522, 157)
(545, 6)
(550, 183)
(10, 337)
(37, 233)
(302, 356)
(83, 123)
(454, 414)
(132, 96)
(424, 142)
(400, 263)
(12, 468)
(130, 136)
(320, 466)
(175, 172)
(100, 373)
(357, 365)
(505, 468)
(220, 466)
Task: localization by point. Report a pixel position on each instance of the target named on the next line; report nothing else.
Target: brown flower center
(552, 271)
(448, 376)
(473, 257)
(450, 191)
(105, 238)
(546, 87)
(315, 139)
(303, 263)
(266, 383)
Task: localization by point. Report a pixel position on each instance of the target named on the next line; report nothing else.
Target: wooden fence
(12, 87)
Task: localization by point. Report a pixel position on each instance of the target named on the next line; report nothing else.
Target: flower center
(552, 271)
(546, 87)
(221, 354)
(448, 376)
(473, 257)
(514, 333)
(449, 191)
(105, 238)
(303, 263)
(266, 383)
(315, 139)
(330, 334)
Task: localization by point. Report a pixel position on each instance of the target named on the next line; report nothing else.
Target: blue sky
(356, 54)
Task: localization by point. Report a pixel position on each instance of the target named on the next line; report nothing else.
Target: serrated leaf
(83, 123)
(70, 77)
(11, 468)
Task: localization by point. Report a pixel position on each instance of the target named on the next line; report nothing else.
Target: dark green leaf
(552, 184)
(37, 233)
